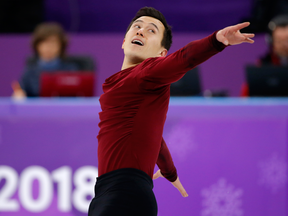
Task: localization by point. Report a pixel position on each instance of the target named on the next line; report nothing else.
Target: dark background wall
(114, 15)
(18, 16)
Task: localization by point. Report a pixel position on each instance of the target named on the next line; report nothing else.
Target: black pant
(124, 192)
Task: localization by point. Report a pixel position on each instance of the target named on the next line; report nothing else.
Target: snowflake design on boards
(181, 140)
(273, 173)
(222, 199)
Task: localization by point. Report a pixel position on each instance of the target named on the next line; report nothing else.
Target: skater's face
(143, 40)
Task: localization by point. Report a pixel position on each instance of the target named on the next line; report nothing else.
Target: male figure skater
(134, 106)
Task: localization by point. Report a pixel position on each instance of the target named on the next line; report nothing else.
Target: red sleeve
(165, 163)
(160, 71)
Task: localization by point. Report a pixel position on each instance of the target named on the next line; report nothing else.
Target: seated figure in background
(278, 41)
(49, 44)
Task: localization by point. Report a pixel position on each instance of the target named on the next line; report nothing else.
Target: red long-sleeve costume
(134, 107)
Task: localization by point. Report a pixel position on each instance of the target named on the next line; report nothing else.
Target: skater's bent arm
(165, 163)
(167, 169)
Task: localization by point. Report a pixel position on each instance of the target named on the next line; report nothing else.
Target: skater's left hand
(176, 183)
(231, 35)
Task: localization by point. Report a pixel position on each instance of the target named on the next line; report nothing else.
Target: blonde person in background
(49, 43)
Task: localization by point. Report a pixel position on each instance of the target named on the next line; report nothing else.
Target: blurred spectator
(277, 39)
(49, 44)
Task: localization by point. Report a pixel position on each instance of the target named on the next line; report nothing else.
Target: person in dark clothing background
(277, 39)
(49, 44)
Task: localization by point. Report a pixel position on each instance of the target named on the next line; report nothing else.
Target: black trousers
(124, 192)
